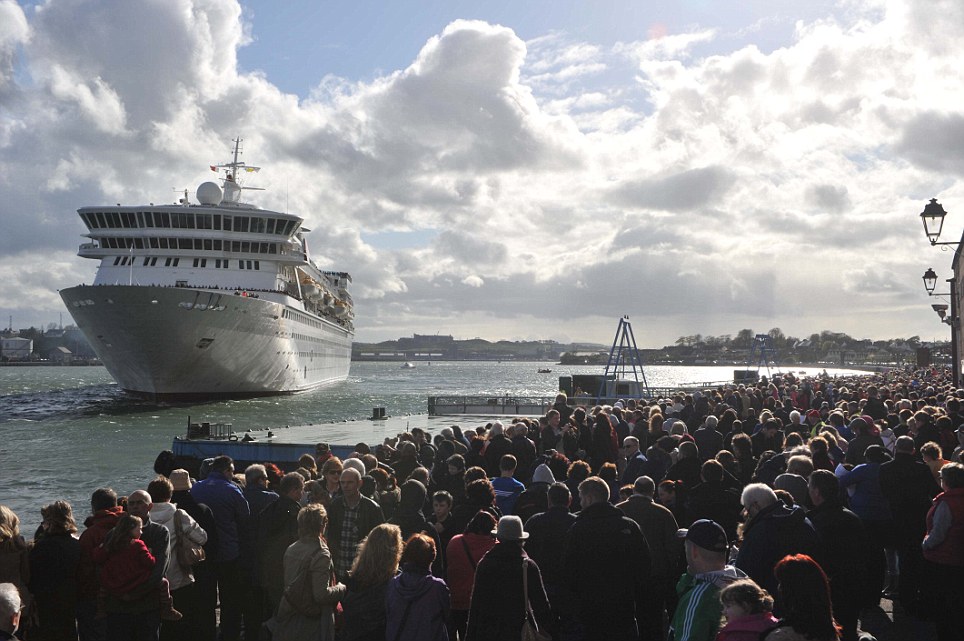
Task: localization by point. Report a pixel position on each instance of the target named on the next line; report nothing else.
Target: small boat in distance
(408, 365)
(543, 370)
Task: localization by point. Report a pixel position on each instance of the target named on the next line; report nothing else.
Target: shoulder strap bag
(530, 629)
(186, 551)
(299, 594)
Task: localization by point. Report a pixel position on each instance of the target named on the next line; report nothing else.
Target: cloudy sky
(512, 169)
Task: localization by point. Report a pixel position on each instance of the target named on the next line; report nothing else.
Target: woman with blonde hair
(364, 602)
(13, 552)
(308, 560)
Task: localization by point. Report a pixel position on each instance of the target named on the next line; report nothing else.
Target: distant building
(60, 355)
(16, 348)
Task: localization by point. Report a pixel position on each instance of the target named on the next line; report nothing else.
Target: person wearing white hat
(499, 602)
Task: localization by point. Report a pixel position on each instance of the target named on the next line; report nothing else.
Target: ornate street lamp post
(933, 219)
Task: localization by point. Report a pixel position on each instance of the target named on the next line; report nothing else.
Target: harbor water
(68, 430)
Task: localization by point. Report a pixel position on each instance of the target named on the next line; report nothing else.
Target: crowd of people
(781, 510)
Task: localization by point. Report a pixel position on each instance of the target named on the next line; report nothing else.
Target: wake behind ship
(209, 300)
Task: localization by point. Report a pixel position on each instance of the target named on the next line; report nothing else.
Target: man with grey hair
(351, 517)
(771, 532)
(635, 461)
(10, 605)
(137, 615)
(708, 438)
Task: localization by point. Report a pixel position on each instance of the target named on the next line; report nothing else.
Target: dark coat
(547, 544)
(525, 455)
(908, 486)
(54, 562)
(277, 529)
(498, 607)
(410, 519)
(713, 501)
(498, 446)
(370, 515)
(773, 533)
(708, 441)
(845, 552)
(607, 568)
(686, 470)
(363, 610)
(532, 501)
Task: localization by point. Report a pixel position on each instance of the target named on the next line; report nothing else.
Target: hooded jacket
(163, 514)
(425, 597)
(98, 527)
(699, 611)
(408, 516)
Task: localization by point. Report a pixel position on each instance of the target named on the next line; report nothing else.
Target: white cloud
(696, 188)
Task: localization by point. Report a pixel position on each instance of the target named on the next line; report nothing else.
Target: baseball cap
(707, 534)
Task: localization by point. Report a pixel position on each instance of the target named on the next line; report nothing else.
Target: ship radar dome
(209, 193)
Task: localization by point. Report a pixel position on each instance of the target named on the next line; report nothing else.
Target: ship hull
(181, 343)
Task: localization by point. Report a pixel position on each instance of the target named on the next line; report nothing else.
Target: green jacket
(699, 612)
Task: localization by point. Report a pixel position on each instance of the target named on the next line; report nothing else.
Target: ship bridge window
(227, 223)
(241, 223)
(245, 247)
(139, 243)
(154, 243)
(217, 221)
(100, 219)
(257, 264)
(147, 260)
(185, 243)
(217, 245)
(148, 219)
(269, 228)
(257, 225)
(207, 243)
(165, 219)
(236, 246)
(204, 221)
(272, 248)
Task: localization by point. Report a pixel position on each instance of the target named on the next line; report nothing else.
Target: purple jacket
(427, 600)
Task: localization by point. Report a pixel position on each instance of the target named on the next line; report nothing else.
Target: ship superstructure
(214, 298)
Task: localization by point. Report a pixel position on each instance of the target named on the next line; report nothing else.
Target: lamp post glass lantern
(930, 281)
(933, 219)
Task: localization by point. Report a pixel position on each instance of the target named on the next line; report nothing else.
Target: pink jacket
(747, 628)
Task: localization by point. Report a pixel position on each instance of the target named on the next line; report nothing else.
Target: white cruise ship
(208, 300)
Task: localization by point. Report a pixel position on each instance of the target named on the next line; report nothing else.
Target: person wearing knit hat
(534, 499)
